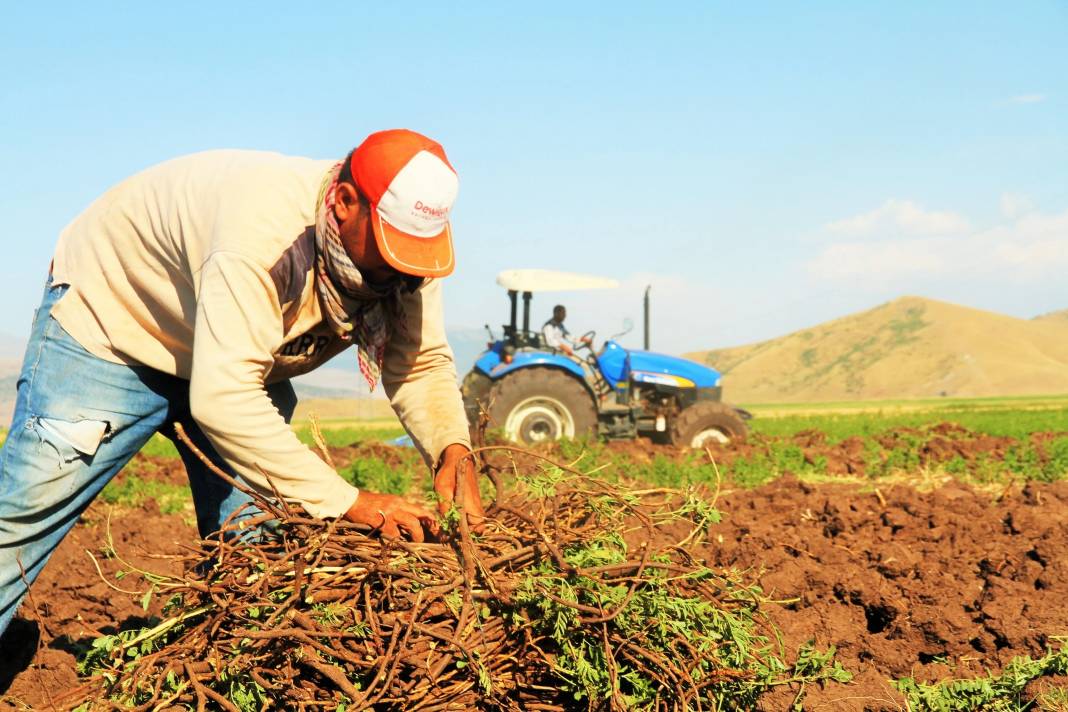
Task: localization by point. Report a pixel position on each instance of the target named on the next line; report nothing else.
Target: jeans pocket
(84, 436)
(71, 440)
(45, 462)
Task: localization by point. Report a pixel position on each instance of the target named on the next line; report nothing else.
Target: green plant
(131, 490)
(995, 692)
(1056, 465)
(375, 475)
(344, 436)
(1002, 417)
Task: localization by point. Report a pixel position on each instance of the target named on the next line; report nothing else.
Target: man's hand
(567, 349)
(394, 516)
(448, 483)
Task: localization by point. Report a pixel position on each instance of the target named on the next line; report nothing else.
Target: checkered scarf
(358, 311)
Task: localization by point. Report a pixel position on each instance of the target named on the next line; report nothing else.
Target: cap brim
(417, 256)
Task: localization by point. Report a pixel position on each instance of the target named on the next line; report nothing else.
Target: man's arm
(556, 338)
(419, 376)
(238, 326)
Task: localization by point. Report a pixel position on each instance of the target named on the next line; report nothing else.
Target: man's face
(353, 214)
(560, 314)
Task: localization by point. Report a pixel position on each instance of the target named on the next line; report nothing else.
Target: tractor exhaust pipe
(512, 297)
(646, 300)
(526, 314)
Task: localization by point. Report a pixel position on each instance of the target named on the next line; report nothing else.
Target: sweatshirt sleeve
(419, 376)
(238, 326)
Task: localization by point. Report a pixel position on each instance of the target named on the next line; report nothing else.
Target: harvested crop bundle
(564, 602)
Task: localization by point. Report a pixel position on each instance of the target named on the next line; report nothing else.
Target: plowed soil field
(951, 582)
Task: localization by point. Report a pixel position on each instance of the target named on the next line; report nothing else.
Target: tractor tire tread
(703, 415)
(519, 385)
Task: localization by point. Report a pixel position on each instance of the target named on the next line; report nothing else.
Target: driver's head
(559, 313)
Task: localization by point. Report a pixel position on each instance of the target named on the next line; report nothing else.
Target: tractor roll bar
(526, 313)
(517, 337)
(512, 294)
(511, 297)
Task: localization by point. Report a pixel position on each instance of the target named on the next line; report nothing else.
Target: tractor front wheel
(534, 405)
(707, 422)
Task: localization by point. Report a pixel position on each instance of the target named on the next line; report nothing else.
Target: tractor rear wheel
(534, 405)
(707, 422)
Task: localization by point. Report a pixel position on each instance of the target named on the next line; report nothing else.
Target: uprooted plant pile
(552, 607)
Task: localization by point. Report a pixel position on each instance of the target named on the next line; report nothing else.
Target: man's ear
(346, 201)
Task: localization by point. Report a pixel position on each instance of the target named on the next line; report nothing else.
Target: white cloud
(1034, 255)
(847, 260)
(1013, 205)
(1033, 243)
(900, 217)
(1028, 245)
(1028, 99)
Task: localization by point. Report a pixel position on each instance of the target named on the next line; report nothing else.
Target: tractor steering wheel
(586, 340)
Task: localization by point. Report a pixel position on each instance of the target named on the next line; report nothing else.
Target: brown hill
(1056, 316)
(908, 348)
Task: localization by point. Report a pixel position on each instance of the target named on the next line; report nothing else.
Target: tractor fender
(526, 359)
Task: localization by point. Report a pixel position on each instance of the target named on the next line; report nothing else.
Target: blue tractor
(534, 393)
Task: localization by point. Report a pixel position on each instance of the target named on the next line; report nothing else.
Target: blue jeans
(78, 420)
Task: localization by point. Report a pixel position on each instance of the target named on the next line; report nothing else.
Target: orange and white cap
(411, 187)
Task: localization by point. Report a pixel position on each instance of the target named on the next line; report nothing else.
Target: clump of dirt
(896, 449)
(904, 584)
(946, 441)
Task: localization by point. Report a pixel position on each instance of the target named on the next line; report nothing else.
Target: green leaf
(147, 598)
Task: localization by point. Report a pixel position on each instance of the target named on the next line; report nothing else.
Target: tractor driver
(556, 334)
(192, 292)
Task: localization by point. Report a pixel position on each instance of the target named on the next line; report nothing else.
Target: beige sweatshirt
(203, 267)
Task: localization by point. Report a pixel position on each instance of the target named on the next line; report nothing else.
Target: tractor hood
(653, 363)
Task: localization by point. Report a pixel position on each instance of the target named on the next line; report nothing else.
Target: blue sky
(765, 166)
